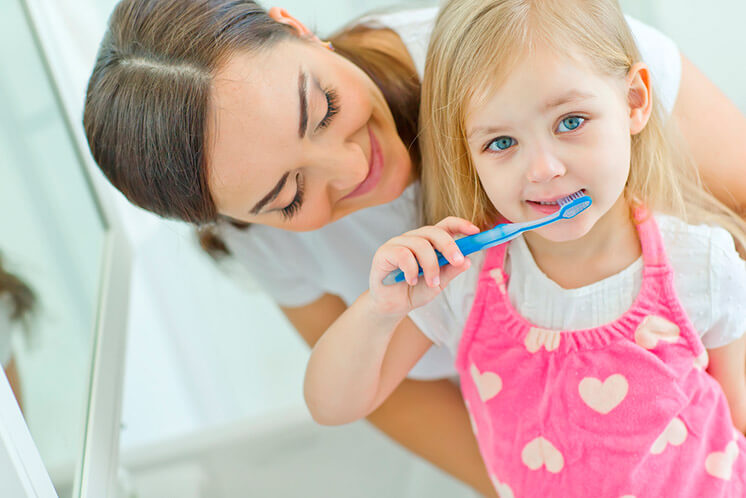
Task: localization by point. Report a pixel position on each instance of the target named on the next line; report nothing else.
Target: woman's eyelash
(291, 209)
(332, 107)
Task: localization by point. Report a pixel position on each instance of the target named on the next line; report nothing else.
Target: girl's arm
(728, 368)
(371, 347)
(715, 131)
(358, 362)
(426, 417)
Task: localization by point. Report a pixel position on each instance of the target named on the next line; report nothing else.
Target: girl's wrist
(377, 315)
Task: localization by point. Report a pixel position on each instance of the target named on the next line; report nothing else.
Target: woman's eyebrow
(272, 195)
(302, 91)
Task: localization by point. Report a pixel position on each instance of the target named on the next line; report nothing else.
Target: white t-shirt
(709, 279)
(296, 268)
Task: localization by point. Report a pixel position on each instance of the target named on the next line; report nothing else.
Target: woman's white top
(296, 268)
(709, 279)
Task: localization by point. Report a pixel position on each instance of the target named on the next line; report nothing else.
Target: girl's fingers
(407, 261)
(391, 257)
(441, 237)
(454, 226)
(425, 253)
(419, 247)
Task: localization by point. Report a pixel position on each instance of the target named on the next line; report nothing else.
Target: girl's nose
(544, 167)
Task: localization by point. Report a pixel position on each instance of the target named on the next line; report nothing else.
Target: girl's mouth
(549, 205)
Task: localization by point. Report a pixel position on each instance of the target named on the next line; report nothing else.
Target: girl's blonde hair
(474, 46)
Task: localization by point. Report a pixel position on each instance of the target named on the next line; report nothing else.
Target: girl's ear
(639, 97)
(283, 16)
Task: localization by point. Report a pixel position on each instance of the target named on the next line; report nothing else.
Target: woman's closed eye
(291, 209)
(332, 108)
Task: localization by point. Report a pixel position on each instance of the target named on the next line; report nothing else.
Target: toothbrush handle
(467, 245)
(500, 234)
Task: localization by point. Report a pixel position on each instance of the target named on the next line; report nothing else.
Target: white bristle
(570, 198)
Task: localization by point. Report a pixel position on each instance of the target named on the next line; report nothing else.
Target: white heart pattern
(653, 329)
(701, 361)
(720, 464)
(499, 278)
(541, 452)
(603, 396)
(537, 337)
(488, 383)
(503, 490)
(674, 434)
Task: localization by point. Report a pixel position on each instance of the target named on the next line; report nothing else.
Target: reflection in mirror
(51, 246)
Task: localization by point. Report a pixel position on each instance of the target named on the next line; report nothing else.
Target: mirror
(52, 241)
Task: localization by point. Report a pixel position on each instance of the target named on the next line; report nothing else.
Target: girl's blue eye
(570, 123)
(501, 143)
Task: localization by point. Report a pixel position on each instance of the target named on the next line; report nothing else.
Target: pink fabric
(622, 410)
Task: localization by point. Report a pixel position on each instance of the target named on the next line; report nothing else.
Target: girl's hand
(405, 252)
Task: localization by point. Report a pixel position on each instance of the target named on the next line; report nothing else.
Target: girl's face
(554, 127)
(300, 137)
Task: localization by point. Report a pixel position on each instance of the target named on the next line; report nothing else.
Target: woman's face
(300, 137)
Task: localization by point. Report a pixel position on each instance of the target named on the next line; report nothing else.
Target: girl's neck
(608, 248)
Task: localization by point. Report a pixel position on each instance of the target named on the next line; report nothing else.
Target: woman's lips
(375, 168)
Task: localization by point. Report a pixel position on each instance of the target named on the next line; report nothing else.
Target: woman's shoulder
(701, 256)
(710, 278)
(412, 27)
(678, 235)
(402, 18)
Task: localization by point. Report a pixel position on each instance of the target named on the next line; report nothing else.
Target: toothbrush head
(574, 204)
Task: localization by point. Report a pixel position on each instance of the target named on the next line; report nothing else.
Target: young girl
(582, 347)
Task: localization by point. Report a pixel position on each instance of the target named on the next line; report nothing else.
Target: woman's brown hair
(146, 105)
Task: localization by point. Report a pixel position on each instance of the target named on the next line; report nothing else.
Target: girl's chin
(563, 231)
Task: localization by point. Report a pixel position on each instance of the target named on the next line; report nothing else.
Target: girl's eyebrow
(485, 130)
(571, 96)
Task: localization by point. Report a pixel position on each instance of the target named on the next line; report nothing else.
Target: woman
(222, 114)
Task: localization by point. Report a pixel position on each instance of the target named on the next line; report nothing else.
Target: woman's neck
(608, 248)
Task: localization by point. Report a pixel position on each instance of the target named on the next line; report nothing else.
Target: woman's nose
(347, 172)
(543, 167)
(347, 165)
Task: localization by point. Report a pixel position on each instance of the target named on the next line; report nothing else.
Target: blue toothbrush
(570, 206)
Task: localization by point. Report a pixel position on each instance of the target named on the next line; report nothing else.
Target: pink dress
(622, 410)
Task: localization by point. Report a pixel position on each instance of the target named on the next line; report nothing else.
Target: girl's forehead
(543, 67)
